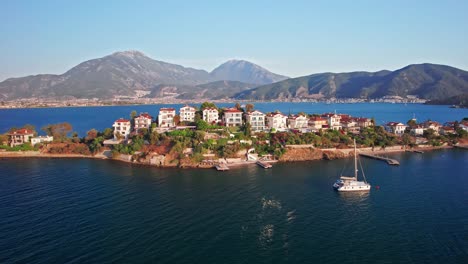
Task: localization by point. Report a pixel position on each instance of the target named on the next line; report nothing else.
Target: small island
(209, 137)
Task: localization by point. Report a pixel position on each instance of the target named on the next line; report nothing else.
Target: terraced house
(256, 119)
(187, 113)
(232, 117)
(143, 121)
(211, 115)
(122, 129)
(297, 121)
(276, 121)
(166, 117)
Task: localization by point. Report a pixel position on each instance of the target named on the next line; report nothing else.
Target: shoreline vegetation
(199, 144)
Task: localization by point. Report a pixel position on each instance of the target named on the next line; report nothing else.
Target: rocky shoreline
(293, 154)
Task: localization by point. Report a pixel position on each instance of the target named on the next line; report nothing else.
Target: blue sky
(294, 38)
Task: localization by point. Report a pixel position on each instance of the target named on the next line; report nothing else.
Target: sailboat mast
(355, 160)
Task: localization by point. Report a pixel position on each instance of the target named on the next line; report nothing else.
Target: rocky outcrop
(301, 154)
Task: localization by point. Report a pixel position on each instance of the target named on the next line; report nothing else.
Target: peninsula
(206, 136)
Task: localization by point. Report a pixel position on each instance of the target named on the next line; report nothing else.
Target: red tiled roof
(167, 109)
(210, 108)
(22, 131)
(145, 115)
(121, 120)
(232, 110)
(317, 118)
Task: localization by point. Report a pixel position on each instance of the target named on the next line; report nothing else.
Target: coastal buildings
(232, 117)
(166, 117)
(395, 128)
(187, 113)
(276, 121)
(121, 129)
(211, 115)
(256, 119)
(297, 121)
(317, 122)
(142, 121)
(41, 139)
(19, 137)
(432, 125)
(333, 121)
(417, 130)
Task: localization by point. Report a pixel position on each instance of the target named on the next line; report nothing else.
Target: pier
(414, 151)
(264, 164)
(461, 146)
(222, 167)
(388, 160)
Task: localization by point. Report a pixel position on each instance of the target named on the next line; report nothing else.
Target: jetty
(388, 160)
(264, 164)
(414, 151)
(222, 167)
(461, 146)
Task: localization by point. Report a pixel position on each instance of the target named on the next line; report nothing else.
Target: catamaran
(349, 183)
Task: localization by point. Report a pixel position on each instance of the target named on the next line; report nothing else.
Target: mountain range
(121, 73)
(127, 72)
(428, 81)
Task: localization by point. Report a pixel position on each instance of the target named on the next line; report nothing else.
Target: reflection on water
(354, 198)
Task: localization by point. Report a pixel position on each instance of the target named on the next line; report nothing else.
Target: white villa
(232, 117)
(143, 121)
(211, 115)
(166, 117)
(395, 128)
(297, 122)
(41, 139)
(19, 137)
(121, 128)
(276, 120)
(256, 119)
(187, 113)
(333, 121)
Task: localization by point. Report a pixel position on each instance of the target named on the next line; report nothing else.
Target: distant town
(137, 100)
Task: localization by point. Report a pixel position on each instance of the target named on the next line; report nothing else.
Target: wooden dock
(264, 164)
(462, 146)
(388, 160)
(222, 167)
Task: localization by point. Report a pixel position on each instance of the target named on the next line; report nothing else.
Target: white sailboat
(351, 184)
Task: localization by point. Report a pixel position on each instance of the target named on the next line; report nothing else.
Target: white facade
(143, 121)
(256, 119)
(121, 127)
(276, 121)
(187, 113)
(334, 121)
(41, 139)
(395, 128)
(166, 117)
(417, 131)
(211, 115)
(297, 122)
(232, 117)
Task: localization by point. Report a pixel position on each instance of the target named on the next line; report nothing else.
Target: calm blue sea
(86, 118)
(101, 211)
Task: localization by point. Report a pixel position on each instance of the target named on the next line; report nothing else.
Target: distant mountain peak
(129, 53)
(245, 71)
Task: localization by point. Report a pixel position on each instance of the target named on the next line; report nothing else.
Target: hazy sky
(294, 38)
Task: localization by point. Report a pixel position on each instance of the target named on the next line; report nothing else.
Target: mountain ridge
(427, 81)
(117, 74)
